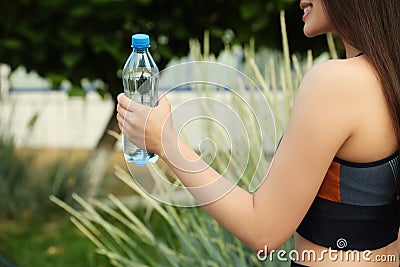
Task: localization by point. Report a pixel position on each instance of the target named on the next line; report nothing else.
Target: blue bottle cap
(140, 41)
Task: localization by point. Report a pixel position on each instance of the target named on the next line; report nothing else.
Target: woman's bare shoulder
(341, 78)
(342, 70)
(351, 91)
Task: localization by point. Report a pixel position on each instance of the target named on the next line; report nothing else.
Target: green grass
(54, 243)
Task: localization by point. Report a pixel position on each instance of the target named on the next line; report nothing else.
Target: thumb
(162, 98)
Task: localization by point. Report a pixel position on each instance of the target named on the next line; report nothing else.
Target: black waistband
(348, 227)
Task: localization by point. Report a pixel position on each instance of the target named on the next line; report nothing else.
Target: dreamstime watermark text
(333, 255)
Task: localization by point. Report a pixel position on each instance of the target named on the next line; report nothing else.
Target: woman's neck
(351, 51)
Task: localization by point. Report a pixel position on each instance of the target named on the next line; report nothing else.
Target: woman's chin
(310, 33)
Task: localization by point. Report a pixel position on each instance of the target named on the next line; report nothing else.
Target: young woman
(334, 176)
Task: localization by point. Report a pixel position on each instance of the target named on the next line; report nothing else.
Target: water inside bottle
(140, 86)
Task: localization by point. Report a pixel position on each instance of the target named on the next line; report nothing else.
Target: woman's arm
(320, 123)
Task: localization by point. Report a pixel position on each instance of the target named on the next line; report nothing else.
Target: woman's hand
(146, 127)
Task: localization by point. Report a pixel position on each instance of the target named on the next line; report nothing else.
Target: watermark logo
(341, 243)
(216, 109)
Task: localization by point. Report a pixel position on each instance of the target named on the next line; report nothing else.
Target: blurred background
(60, 73)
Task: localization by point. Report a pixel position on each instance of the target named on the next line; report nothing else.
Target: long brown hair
(373, 27)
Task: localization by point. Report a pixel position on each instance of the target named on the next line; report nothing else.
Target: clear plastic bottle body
(140, 78)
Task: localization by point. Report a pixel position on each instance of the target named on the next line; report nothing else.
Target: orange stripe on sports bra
(330, 188)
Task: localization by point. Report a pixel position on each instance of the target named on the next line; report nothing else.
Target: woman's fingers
(123, 101)
(121, 111)
(120, 119)
(127, 103)
(132, 112)
(144, 125)
(121, 127)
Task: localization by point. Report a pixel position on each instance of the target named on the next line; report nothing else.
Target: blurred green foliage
(53, 243)
(74, 39)
(15, 196)
(25, 188)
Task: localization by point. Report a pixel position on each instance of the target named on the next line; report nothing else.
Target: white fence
(52, 119)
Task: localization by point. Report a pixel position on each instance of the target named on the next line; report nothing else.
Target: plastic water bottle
(140, 77)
